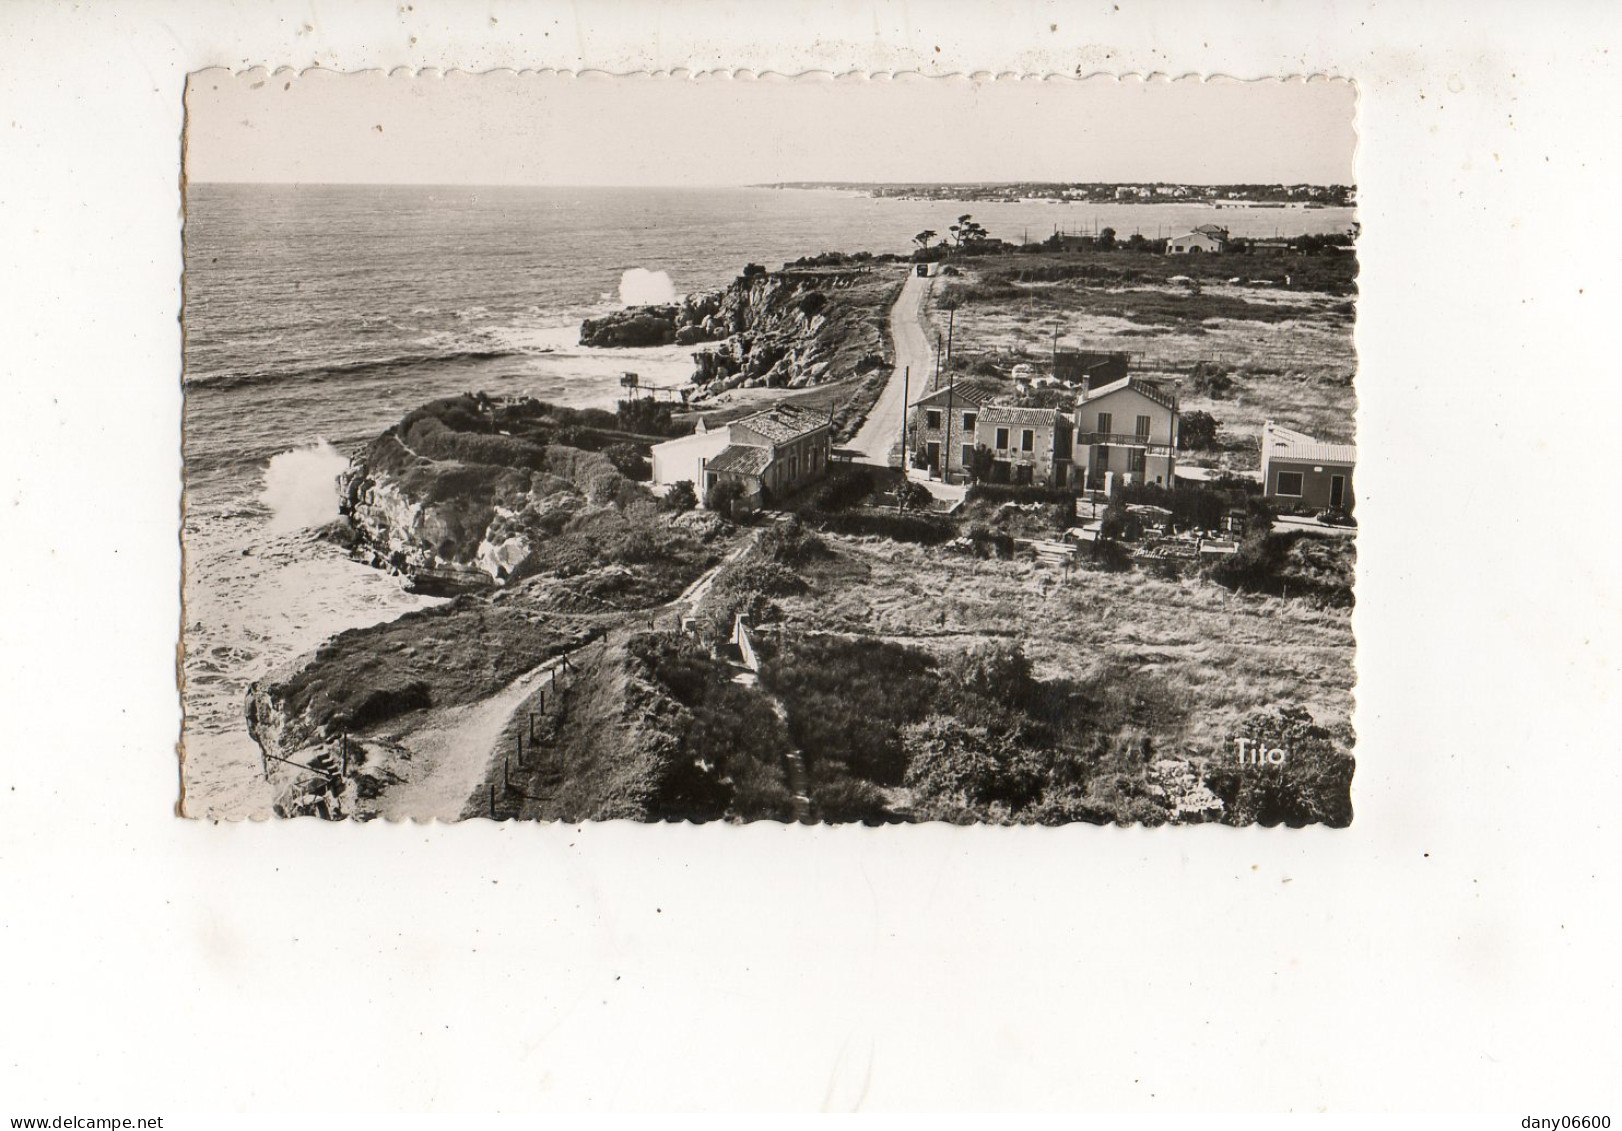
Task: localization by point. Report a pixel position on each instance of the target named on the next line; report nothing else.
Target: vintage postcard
(717, 448)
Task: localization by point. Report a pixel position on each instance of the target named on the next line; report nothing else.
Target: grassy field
(1257, 338)
(1216, 654)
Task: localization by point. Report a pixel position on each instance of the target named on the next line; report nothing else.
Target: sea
(317, 315)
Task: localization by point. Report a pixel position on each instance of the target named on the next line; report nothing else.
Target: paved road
(880, 436)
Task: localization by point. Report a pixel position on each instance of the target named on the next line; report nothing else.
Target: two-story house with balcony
(1126, 432)
(943, 427)
(1028, 445)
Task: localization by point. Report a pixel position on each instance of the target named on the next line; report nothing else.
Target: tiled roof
(742, 459)
(970, 392)
(1014, 414)
(784, 422)
(1137, 385)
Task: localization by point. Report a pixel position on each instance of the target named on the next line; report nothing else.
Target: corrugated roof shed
(1316, 452)
(1298, 447)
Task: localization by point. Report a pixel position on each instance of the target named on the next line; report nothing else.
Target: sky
(594, 129)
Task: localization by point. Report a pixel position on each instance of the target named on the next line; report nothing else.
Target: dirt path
(451, 750)
(880, 434)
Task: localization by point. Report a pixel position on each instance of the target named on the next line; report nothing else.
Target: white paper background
(1453, 949)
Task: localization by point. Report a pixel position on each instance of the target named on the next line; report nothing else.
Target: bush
(991, 543)
(791, 544)
(958, 769)
(847, 701)
(721, 497)
(1311, 786)
(896, 527)
(998, 673)
(630, 460)
(844, 486)
(1120, 524)
(680, 496)
(431, 438)
(1007, 493)
(1197, 431)
(643, 415)
(842, 799)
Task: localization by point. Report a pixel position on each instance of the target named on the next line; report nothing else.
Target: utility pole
(906, 397)
(946, 454)
(951, 324)
(937, 361)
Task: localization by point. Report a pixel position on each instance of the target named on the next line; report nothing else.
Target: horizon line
(754, 184)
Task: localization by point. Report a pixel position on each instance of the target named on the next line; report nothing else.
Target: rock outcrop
(785, 329)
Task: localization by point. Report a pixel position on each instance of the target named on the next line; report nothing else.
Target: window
(1027, 441)
(1288, 483)
(1104, 421)
(1002, 439)
(932, 420)
(1135, 462)
(968, 421)
(1143, 427)
(968, 455)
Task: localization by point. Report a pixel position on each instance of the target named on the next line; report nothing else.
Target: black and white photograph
(907, 450)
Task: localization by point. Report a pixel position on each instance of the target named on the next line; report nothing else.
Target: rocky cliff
(784, 329)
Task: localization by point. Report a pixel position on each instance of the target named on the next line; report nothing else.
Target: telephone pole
(906, 396)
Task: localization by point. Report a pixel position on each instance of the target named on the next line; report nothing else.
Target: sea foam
(641, 287)
(301, 486)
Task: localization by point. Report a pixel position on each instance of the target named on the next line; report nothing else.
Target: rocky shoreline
(793, 328)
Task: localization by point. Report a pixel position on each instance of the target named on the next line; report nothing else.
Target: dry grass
(1289, 351)
(1218, 654)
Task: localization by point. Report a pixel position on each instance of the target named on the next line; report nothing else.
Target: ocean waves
(359, 367)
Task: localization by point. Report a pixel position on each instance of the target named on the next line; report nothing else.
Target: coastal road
(879, 438)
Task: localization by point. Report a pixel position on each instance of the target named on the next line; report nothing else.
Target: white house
(685, 457)
(1206, 238)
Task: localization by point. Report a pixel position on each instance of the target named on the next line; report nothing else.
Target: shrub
(643, 415)
(680, 496)
(1008, 493)
(847, 701)
(844, 486)
(964, 767)
(991, 543)
(791, 544)
(631, 460)
(896, 527)
(842, 799)
(998, 673)
(1197, 431)
(385, 703)
(1120, 524)
(1311, 786)
(722, 495)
